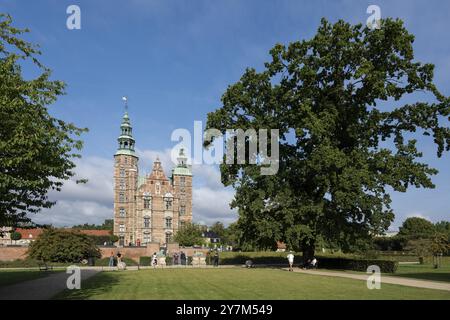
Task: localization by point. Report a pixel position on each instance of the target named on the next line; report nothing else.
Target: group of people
(308, 264)
(116, 260)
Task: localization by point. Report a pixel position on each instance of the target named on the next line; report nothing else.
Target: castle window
(147, 202)
(121, 197)
(122, 228)
(169, 223)
(182, 181)
(157, 188)
(146, 222)
(126, 160)
(122, 212)
(168, 237)
(122, 172)
(122, 184)
(182, 224)
(168, 203)
(182, 210)
(147, 238)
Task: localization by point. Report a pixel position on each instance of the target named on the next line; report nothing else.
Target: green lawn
(424, 272)
(8, 277)
(235, 283)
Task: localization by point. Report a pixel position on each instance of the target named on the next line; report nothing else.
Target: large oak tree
(346, 134)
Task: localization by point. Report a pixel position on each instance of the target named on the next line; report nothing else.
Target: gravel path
(42, 288)
(384, 279)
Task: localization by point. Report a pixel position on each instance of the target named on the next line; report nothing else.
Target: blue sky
(174, 60)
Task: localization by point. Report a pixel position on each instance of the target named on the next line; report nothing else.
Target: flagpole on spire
(125, 100)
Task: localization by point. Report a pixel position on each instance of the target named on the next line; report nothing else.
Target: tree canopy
(416, 227)
(36, 149)
(347, 134)
(189, 234)
(58, 245)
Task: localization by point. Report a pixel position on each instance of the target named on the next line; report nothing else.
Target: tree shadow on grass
(98, 284)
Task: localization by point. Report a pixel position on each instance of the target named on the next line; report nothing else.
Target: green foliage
(386, 266)
(104, 262)
(145, 261)
(420, 247)
(189, 234)
(440, 245)
(108, 224)
(356, 264)
(36, 149)
(327, 97)
(443, 227)
(396, 243)
(63, 246)
(100, 240)
(16, 236)
(416, 228)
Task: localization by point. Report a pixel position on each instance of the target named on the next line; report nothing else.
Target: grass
(235, 284)
(424, 272)
(9, 277)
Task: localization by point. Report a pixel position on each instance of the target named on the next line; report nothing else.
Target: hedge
(386, 266)
(145, 261)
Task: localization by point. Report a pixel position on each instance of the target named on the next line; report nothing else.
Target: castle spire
(126, 140)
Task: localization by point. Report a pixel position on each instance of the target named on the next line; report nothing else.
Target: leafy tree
(421, 248)
(443, 227)
(416, 227)
(189, 234)
(36, 149)
(345, 134)
(219, 229)
(440, 245)
(58, 245)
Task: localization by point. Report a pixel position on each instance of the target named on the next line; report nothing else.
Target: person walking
(290, 258)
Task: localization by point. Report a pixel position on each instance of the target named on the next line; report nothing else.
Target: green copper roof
(182, 171)
(126, 152)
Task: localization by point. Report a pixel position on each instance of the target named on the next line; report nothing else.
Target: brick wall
(12, 253)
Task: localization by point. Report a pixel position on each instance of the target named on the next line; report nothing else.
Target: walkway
(384, 279)
(42, 288)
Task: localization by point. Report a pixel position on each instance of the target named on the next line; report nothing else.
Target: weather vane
(125, 99)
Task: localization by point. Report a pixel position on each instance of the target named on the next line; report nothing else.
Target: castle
(148, 208)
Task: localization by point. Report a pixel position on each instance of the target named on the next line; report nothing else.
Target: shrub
(386, 266)
(16, 236)
(104, 262)
(356, 264)
(145, 261)
(63, 246)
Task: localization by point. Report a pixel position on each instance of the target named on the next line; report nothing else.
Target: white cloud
(68, 213)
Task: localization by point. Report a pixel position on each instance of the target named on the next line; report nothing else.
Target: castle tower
(182, 186)
(125, 184)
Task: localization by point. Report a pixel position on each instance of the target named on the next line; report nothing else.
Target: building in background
(153, 207)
